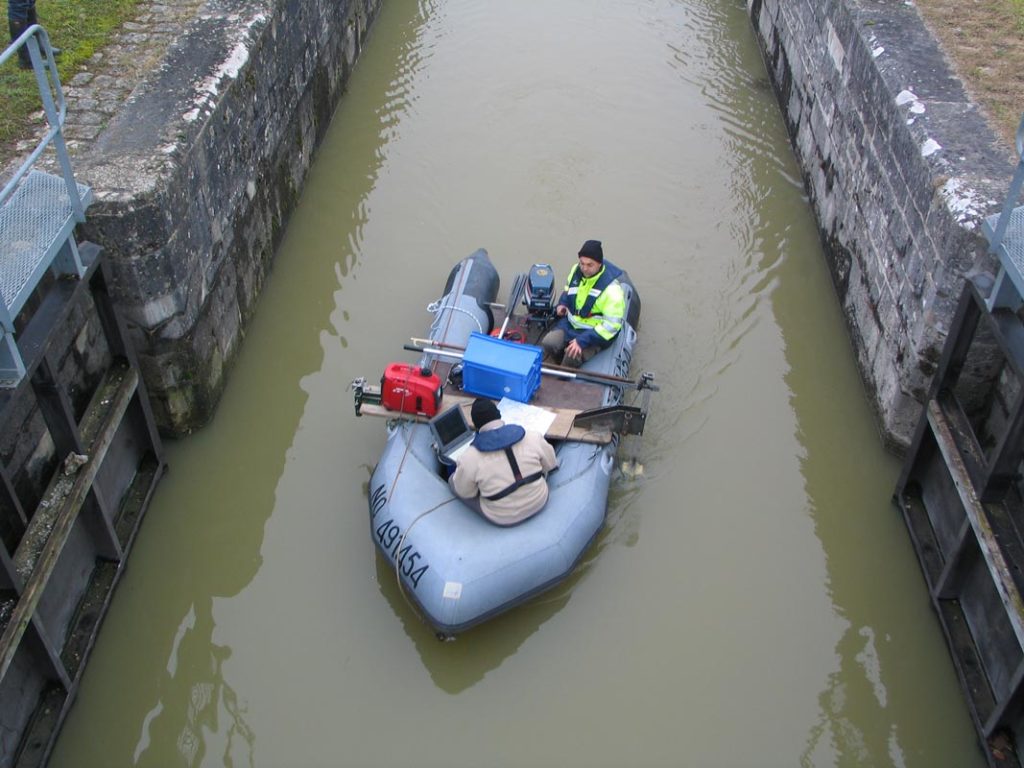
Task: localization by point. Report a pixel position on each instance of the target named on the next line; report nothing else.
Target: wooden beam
(987, 542)
(65, 496)
(561, 428)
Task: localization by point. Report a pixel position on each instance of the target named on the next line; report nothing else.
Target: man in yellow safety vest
(590, 310)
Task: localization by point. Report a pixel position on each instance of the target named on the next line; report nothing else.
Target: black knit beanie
(483, 412)
(592, 250)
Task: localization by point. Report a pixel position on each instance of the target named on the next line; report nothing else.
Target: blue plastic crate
(496, 368)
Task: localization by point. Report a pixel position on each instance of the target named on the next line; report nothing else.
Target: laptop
(452, 434)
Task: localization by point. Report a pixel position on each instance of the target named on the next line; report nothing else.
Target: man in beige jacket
(503, 472)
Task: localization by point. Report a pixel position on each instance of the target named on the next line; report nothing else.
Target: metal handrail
(54, 107)
(1012, 195)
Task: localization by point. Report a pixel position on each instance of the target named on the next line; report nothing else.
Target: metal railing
(38, 210)
(1005, 233)
(54, 107)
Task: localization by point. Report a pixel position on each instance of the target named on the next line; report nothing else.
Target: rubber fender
(481, 282)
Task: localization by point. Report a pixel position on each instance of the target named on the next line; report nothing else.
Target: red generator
(410, 389)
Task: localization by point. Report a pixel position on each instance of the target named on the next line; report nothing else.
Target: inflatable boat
(456, 567)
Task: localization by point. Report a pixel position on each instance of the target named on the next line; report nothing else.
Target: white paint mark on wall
(930, 147)
(209, 88)
(906, 97)
(964, 203)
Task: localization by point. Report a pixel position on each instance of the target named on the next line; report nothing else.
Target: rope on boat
(435, 307)
(401, 542)
(456, 293)
(408, 444)
(398, 562)
(394, 483)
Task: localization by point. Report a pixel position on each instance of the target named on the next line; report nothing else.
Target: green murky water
(754, 600)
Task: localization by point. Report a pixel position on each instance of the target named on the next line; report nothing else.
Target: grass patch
(984, 40)
(1017, 9)
(78, 28)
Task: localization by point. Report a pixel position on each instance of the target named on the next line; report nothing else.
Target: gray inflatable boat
(457, 568)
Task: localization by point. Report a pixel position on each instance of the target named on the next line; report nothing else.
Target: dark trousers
(554, 343)
(20, 10)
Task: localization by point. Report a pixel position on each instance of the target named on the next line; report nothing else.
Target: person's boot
(17, 28)
(33, 19)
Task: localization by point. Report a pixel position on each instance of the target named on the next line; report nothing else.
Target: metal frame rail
(38, 211)
(62, 550)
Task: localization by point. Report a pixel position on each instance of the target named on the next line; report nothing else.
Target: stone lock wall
(900, 168)
(198, 173)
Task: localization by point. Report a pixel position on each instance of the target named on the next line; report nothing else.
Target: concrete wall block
(900, 244)
(858, 312)
(848, 125)
(899, 416)
(884, 371)
(203, 168)
(765, 21)
(957, 250)
(803, 144)
(920, 186)
(911, 310)
(856, 161)
(796, 57)
(873, 124)
(917, 274)
(892, 122)
(793, 109)
(834, 13)
(892, 270)
(924, 335)
(30, 462)
(865, 84)
(856, 298)
(225, 321)
(872, 321)
(874, 175)
(883, 171)
(890, 318)
(788, 29)
(822, 121)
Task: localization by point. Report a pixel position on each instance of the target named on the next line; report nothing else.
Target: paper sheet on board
(527, 416)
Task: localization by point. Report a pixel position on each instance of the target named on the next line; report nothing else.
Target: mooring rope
(398, 562)
(435, 306)
(401, 542)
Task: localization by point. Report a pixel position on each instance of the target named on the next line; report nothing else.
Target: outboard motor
(540, 292)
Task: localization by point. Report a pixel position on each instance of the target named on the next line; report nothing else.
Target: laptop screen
(450, 426)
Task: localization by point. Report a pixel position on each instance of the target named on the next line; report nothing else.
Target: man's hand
(574, 350)
(561, 310)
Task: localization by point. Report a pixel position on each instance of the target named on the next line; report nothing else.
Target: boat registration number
(407, 560)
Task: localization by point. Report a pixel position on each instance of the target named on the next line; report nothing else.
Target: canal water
(754, 599)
